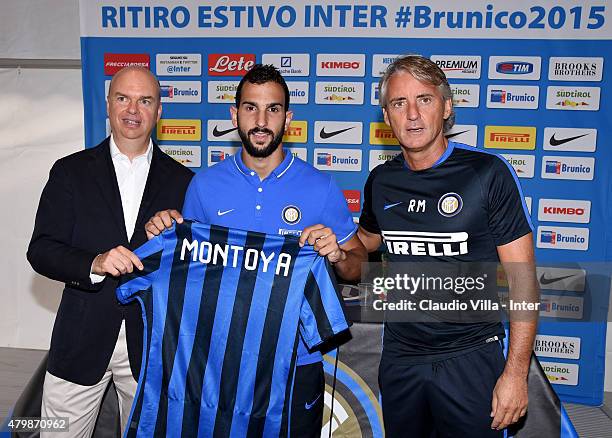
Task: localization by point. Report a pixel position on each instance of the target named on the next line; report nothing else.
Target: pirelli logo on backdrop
(297, 132)
(510, 137)
(381, 133)
(179, 129)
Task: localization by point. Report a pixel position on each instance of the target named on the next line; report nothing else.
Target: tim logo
(514, 68)
(218, 156)
(549, 237)
(553, 167)
(498, 96)
(166, 91)
(324, 159)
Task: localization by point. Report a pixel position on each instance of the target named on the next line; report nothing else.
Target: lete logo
(231, 64)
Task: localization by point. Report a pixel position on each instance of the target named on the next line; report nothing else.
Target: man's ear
(234, 115)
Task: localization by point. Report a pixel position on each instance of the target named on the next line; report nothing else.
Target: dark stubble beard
(252, 150)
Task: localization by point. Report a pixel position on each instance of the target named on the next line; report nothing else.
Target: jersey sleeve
(508, 215)
(192, 207)
(150, 256)
(322, 314)
(367, 220)
(336, 214)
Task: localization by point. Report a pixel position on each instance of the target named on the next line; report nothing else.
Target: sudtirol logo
(180, 64)
(379, 156)
(335, 64)
(291, 215)
(339, 93)
(563, 347)
(562, 167)
(189, 156)
(512, 96)
(515, 67)
(450, 204)
(523, 165)
(423, 243)
(380, 64)
(465, 67)
(575, 69)
(561, 373)
(289, 64)
(298, 92)
(573, 98)
(222, 91)
(465, 95)
(570, 238)
(181, 91)
(348, 160)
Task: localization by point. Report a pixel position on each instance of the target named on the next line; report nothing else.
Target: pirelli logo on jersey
(381, 133)
(297, 132)
(179, 129)
(423, 243)
(510, 137)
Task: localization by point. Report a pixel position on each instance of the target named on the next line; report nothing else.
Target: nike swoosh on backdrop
(455, 134)
(324, 134)
(544, 280)
(218, 133)
(558, 142)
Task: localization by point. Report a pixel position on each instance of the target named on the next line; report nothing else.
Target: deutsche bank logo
(285, 61)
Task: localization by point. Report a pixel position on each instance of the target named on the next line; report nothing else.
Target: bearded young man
(265, 188)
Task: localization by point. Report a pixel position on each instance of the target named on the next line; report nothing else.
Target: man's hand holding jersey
(161, 221)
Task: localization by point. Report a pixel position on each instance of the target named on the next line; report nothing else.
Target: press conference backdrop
(531, 81)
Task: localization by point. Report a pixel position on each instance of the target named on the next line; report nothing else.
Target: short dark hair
(262, 74)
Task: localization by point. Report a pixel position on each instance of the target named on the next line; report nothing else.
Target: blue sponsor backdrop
(592, 303)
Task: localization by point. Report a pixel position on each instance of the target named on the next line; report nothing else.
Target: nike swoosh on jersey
(455, 134)
(325, 135)
(544, 280)
(311, 404)
(388, 206)
(559, 142)
(221, 213)
(218, 133)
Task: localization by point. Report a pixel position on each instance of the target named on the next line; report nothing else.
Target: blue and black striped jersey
(223, 310)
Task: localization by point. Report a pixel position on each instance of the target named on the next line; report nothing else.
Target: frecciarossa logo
(423, 243)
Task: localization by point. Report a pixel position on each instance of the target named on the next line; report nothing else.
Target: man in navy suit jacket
(90, 217)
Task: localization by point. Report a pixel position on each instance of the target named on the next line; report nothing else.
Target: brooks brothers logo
(523, 165)
(466, 95)
(570, 139)
(291, 215)
(379, 156)
(568, 238)
(296, 132)
(569, 279)
(420, 243)
(573, 98)
(466, 67)
(190, 156)
(289, 64)
(515, 67)
(184, 64)
(179, 129)
(466, 134)
(450, 204)
(222, 91)
(564, 210)
(180, 91)
(575, 69)
(510, 137)
(562, 347)
(380, 64)
(222, 130)
(381, 133)
(561, 373)
(333, 64)
(230, 64)
(338, 132)
(341, 93)
(512, 96)
(562, 167)
(338, 159)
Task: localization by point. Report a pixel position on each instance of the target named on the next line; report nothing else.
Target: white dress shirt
(131, 179)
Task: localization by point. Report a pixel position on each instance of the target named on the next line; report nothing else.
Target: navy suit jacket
(79, 216)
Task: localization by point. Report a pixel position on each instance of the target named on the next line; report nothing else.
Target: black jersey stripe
(284, 429)
(174, 306)
(312, 294)
(202, 339)
(267, 350)
(236, 334)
